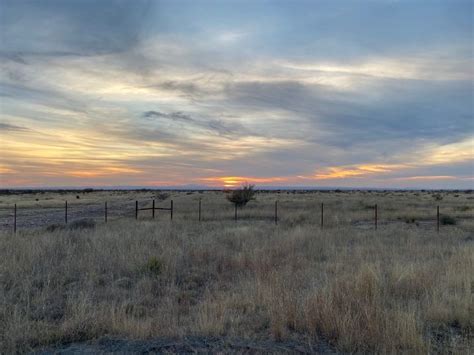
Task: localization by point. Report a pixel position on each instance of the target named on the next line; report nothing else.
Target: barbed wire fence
(30, 217)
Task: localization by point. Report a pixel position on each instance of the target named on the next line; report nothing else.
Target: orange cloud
(96, 172)
(428, 177)
(6, 170)
(354, 171)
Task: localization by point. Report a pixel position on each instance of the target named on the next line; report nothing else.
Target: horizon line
(190, 187)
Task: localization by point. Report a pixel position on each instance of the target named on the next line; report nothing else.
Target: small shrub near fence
(447, 220)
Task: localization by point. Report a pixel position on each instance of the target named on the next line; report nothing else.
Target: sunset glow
(236, 181)
(171, 95)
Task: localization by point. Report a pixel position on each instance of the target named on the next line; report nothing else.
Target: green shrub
(153, 266)
(365, 206)
(447, 220)
(54, 227)
(84, 223)
(161, 196)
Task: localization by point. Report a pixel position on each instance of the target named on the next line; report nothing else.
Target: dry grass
(401, 288)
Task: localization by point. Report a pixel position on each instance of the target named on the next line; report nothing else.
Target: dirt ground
(191, 345)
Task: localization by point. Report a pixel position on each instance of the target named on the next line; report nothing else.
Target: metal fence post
(171, 215)
(375, 216)
(153, 209)
(199, 210)
(276, 212)
(105, 212)
(14, 219)
(136, 209)
(322, 215)
(235, 212)
(437, 218)
(65, 212)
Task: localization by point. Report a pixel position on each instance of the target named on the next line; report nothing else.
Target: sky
(375, 93)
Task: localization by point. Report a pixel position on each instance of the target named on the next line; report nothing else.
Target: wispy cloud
(6, 127)
(361, 171)
(165, 92)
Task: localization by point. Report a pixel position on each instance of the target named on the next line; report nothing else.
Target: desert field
(246, 285)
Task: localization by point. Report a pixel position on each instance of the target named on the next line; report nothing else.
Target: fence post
(105, 212)
(65, 212)
(235, 212)
(14, 219)
(322, 215)
(276, 212)
(136, 209)
(437, 218)
(375, 216)
(153, 213)
(171, 215)
(199, 210)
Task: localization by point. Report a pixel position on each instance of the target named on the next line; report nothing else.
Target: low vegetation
(447, 220)
(240, 197)
(401, 288)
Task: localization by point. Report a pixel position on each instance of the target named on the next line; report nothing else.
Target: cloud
(176, 116)
(188, 88)
(230, 37)
(218, 126)
(421, 67)
(6, 127)
(354, 171)
(85, 27)
(282, 92)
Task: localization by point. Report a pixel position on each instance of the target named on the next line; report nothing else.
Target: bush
(242, 196)
(161, 196)
(85, 223)
(447, 220)
(54, 227)
(153, 266)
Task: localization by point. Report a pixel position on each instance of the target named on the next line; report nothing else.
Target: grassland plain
(404, 287)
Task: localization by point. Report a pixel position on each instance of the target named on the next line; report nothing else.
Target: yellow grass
(400, 288)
